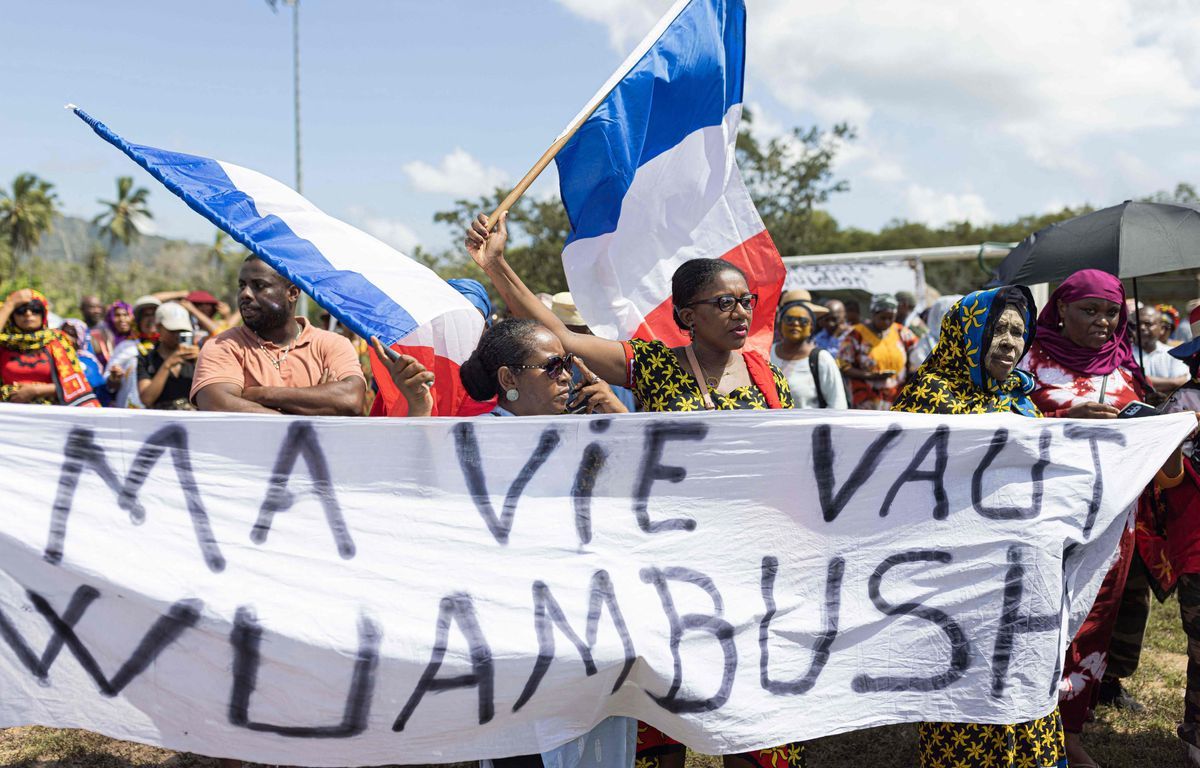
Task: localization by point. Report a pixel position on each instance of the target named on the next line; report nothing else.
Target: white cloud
(938, 209)
(628, 21)
(458, 174)
(1049, 73)
(391, 231)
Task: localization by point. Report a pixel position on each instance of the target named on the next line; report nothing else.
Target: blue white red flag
(650, 179)
(370, 287)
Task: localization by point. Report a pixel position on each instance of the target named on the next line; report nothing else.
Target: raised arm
(606, 358)
(14, 300)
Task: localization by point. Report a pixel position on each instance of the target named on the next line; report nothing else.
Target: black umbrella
(1128, 240)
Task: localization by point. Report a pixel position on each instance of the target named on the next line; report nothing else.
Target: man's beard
(269, 318)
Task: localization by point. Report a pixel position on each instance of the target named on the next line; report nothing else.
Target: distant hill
(72, 238)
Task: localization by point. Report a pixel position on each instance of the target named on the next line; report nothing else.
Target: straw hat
(563, 307)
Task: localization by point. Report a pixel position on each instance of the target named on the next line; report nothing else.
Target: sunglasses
(726, 302)
(793, 320)
(554, 366)
(32, 308)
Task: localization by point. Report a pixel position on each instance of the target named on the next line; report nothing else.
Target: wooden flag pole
(592, 105)
(524, 184)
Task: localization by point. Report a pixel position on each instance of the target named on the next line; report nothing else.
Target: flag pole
(592, 105)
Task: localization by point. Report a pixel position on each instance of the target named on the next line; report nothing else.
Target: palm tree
(119, 221)
(26, 214)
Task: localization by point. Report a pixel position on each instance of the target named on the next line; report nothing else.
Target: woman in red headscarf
(38, 364)
(1083, 367)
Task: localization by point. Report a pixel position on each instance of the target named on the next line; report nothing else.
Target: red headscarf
(1116, 352)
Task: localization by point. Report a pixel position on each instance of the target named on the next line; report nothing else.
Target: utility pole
(295, 6)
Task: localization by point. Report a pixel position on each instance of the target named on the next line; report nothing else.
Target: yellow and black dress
(661, 384)
(954, 381)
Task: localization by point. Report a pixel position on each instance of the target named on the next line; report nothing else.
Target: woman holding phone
(1084, 368)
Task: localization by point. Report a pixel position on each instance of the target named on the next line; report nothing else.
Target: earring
(511, 395)
(691, 332)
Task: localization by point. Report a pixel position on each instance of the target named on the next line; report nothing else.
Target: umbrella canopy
(1128, 240)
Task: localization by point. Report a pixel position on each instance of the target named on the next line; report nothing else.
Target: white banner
(355, 592)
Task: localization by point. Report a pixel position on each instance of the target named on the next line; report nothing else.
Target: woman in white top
(812, 373)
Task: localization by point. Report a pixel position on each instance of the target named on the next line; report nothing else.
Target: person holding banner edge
(713, 304)
(973, 369)
(1084, 367)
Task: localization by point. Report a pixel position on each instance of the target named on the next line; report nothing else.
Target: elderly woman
(712, 303)
(973, 369)
(812, 372)
(874, 356)
(38, 364)
(525, 365)
(1084, 367)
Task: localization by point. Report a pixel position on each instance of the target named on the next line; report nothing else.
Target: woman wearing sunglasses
(812, 372)
(713, 304)
(38, 364)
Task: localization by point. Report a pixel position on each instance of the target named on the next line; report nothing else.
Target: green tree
(26, 213)
(119, 221)
(788, 177)
(97, 267)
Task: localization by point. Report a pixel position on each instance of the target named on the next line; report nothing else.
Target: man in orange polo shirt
(277, 362)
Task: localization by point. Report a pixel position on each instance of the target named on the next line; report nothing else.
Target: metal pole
(296, 85)
(296, 113)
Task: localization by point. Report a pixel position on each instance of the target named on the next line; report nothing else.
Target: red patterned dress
(1059, 388)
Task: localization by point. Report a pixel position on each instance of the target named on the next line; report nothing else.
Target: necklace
(281, 359)
(712, 381)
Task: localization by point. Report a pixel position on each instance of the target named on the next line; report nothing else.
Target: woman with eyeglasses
(713, 304)
(812, 372)
(38, 364)
(874, 356)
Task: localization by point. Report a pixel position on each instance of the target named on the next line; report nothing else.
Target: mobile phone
(1137, 409)
(186, 337)
(577, 407)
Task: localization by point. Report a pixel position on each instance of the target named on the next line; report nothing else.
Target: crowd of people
(1088, 353)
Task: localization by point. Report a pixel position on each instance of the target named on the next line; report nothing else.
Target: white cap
(146, 301)
(173, 317)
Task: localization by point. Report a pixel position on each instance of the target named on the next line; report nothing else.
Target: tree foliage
(119, 222)
(26, 213)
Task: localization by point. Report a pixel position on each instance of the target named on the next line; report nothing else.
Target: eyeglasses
(793, 320)
(31, 308)
(726, 302)
(554, 366)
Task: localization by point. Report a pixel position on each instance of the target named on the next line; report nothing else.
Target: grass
(1117, 739)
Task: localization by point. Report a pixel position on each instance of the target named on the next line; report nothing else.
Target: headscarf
(1168, 311)
(882, 301)
(475, 293)
(1115, 353)
(954, 379)
(70, 380)
(110, 322)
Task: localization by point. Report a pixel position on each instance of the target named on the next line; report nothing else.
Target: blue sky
(965, 110)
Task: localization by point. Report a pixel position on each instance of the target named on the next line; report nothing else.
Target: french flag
(650, 179)
(366, 284)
